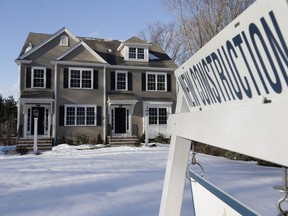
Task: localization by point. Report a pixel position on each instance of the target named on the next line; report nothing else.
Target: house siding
(53, 57)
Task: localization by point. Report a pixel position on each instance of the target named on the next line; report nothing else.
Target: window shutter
(143, 81)
(66, 78)
(112, 78)
(61, 115)
(99, 115)
(48, 78)
(129, 81)
(95, 79)
(169, 82)
(28, 77)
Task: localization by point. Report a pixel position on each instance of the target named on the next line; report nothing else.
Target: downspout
(19, 95)
(54, 129)
(104, 105)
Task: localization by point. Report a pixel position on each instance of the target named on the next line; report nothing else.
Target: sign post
(233, 95)
(35, 115)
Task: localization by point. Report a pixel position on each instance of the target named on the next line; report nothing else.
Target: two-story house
(93, 86)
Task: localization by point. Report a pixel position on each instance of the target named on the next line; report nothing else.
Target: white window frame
(127, 52)
(81, 78)
(33, 76)
(64, 41)
(116, 80)
(156, 81)
(157, 115)
(75, 116)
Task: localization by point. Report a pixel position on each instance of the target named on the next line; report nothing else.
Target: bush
(62, 140)
(22, 150)
(99, 139)
(142, 138)
(82, 139)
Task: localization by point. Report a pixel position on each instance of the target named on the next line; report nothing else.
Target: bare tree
(201, 20)
(168, 37)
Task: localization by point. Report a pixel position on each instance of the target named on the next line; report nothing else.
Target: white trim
(81, 71)
(50, 38)
(22, 61)
(104, 104)
(120, 67)
(156, 75)
(32, 77)
(98, 57)
(154, 129)
(64, 41)
(133, 44)
(127, 53)
(26, 132)
(116, 80)
(75, 106)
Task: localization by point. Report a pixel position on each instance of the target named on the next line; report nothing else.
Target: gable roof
(47, 39)
(106, 51)
(81, 43)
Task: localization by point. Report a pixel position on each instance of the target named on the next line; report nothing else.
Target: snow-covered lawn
(118, 181)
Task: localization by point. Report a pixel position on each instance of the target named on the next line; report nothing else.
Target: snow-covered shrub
(82, 139)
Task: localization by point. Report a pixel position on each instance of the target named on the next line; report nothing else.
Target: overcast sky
(115, 19)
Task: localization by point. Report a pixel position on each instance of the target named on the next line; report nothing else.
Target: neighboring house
(93, 86)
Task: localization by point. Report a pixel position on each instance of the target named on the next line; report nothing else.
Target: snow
(122, 181)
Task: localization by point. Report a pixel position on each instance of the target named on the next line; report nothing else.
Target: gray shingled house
(93, 86)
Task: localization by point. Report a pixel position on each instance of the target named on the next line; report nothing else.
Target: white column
(104, 105)
(35, 147)
(174, 182)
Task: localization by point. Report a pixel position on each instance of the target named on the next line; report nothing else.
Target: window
(121, 80)
(64, 41)
(39, 77)
(83, 115)
(81, 78)
(136, 53)
(156, 81)
(157, 116)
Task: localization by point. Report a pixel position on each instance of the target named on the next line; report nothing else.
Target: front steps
(42, 144)
(123, 140)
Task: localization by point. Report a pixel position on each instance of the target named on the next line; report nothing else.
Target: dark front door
(40, 120)
(120, 120)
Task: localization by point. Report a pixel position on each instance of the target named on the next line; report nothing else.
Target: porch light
(35, 113)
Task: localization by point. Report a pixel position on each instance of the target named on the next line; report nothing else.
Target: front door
(120, 120)
(41, 124)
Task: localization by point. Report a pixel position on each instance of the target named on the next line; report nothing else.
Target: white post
(174, 182)
(35, 148)
(146, 127)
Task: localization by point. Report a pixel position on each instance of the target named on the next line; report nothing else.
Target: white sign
(233, 94)
(235, 87)
(210, 200)
(244, 63)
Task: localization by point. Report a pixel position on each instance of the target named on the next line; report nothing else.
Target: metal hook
(284, 190)
(194, 162)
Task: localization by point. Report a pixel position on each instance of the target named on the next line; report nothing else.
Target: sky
(113, 19)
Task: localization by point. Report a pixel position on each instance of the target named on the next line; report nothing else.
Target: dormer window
(64, 41)
(136, 53)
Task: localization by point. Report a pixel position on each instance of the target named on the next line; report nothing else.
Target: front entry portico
(120, 111)
(44, 120)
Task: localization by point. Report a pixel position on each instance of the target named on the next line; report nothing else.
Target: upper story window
(81, 78)
(156, 81)
(136, 53)
(64, 41)
(38, 77)
(121, 81)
